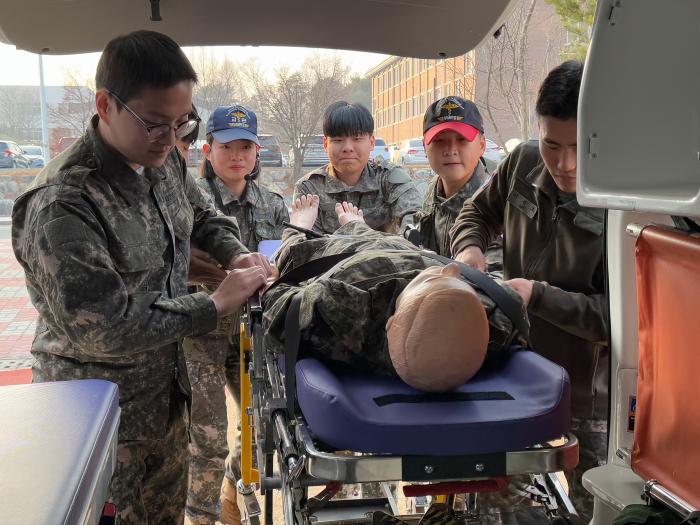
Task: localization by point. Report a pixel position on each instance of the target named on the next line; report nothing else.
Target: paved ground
(17, 315)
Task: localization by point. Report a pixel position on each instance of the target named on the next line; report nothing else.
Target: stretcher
(337, 426)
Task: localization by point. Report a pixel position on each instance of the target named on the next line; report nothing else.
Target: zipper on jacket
(595, 373)
(555, 218)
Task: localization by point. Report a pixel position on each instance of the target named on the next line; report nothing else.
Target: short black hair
(558, 94)
(132, 62)
(192, 135)
(342, 119)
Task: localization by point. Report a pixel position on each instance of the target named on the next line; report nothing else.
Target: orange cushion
(667, 428)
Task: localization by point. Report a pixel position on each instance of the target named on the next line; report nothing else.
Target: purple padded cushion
(341, 410)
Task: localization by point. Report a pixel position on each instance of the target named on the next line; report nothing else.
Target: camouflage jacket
(385, 193)
(105, 252)
(259, 213)
(344, 312)
(438, 213)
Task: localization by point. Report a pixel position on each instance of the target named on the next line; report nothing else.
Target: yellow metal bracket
(248, 473)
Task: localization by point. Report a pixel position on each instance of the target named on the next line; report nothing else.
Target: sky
(22, 68)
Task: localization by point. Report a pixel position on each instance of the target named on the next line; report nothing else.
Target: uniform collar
(466, 191)
(590, 219)
(251, 194)
(368, 180)
(114, 169)
(540, 178)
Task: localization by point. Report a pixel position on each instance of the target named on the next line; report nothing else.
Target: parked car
(11, 155)
(35, 154)
(380, 151)
(270, 151)
(315, 154)
(493, 155)
(410, 151)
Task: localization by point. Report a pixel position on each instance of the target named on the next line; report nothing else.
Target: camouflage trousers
(593, 441)
(212, 364)
(592, 452)
(150, 480)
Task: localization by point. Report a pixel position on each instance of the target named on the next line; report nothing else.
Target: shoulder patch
(318, 172)
(398, 175)
(272, 193)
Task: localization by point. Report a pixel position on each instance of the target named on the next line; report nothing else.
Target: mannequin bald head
(439, 331)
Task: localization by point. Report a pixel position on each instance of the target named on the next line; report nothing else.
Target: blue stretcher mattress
(522, 402)
(58, 446)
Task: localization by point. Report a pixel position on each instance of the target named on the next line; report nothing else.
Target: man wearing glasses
(103, 235)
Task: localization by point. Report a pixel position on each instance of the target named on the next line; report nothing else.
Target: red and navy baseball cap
(227, 123)
(452, 113)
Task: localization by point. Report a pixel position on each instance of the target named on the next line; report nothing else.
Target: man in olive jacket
(553, 257)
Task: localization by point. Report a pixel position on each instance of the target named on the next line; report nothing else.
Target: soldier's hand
(251, 260)
(523, 287)
(204, 269)
(236, 288)
(472, 256)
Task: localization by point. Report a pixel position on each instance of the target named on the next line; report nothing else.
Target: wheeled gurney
(337, 426)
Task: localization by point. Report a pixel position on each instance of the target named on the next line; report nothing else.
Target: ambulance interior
(638, 157)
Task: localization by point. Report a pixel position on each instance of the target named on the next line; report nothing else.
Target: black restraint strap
(392, 399)
(486, 284)
(511, 307)
(292, 338)
(217, 194)
(312, 268)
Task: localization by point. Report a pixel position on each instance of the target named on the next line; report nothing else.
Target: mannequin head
(439, 331)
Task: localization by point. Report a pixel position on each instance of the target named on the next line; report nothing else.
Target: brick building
(403, 88)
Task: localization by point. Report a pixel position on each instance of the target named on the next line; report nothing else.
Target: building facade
(501, 76)
(403, 88)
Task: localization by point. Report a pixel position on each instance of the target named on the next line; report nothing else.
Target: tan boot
(230, 515)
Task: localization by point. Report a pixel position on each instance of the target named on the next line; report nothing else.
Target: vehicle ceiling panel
(416, 28)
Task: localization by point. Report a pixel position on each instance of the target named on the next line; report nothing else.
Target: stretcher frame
(267, 432)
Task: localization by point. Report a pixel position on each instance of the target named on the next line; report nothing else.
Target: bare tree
(77, 105)
(507, 72)
(19, 111)
(294, 102)
(220, 83)
(459, 71)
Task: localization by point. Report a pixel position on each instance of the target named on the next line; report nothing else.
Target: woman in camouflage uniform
(228, 174)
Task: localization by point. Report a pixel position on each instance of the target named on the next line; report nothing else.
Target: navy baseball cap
(227, 123)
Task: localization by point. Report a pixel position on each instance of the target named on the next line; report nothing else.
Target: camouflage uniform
(345, 311)
(105, 253)
(385, 193)
(438, 214)
(593, 449)
(213, 359)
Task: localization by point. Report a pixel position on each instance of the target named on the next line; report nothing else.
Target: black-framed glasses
(156, 132)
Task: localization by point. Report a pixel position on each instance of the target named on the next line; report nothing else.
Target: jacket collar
(251, 194)
(590, 219)
(477, 179)
(368, 180)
